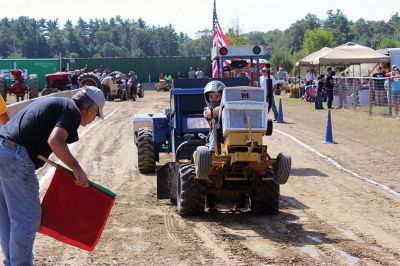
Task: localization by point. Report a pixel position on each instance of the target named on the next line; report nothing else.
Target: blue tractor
(182, 123)
(239, 171)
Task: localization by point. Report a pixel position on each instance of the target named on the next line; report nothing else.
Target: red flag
(219, 39)
(75, 215)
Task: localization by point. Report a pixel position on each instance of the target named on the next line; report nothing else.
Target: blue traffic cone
(280, 113)
(328, 135)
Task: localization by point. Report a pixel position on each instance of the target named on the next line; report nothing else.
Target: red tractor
(61, 81)
(18, 86)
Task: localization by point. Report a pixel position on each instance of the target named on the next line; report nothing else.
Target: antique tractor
(240, 172)
(61, 81)
(18, 86)
(163, 85)
(117, 89)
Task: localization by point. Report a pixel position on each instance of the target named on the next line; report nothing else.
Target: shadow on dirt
(306, 172)
(291, 203)
(284, 227)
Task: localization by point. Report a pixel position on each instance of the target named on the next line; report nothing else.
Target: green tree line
(26, 37)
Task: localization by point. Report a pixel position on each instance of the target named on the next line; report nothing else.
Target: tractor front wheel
(202, 162)
(282, 168)
(191, 195)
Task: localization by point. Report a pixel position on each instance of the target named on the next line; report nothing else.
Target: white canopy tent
(313, 59)
(352, 54)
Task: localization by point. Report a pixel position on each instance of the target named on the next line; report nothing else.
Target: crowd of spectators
(341, 85)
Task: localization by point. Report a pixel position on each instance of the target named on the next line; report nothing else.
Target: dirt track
(328, 216)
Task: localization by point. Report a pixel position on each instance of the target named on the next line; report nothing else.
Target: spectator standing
(161, 76)
(46, 125)
(133, 84)
(199, 73)
(106, 83)
(320, 88)
(282, 78)
(106, 73)
(3, 112)
(309, 77)
(342, 89)
(178, 75)
(191, 73)
(329, 87)
(281, 74)
(74, 80)
(168, 79)
(379, 80)
(263, 83)
(395, 70)
(395, 85)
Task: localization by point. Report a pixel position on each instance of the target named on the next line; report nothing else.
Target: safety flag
(72, 214)
(219, 39)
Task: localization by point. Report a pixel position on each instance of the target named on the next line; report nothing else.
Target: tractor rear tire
(33, 88)
(90, 79)
(203, 162)
(145, 146)
(191, 195)
(265, 199)
(282, 168)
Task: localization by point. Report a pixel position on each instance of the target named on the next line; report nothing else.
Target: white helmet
(213, 86)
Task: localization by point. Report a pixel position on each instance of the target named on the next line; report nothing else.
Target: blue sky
(190, 16)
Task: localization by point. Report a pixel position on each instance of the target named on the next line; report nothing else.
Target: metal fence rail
(368, 94)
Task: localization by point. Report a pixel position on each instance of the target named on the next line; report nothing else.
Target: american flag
(219, 39)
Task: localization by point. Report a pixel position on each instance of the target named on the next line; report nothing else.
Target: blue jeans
(74, 86)
(318, 101)
(273, 107)
(20, 209)
(211, 142)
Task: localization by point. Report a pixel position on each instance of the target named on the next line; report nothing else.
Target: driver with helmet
(212, 95)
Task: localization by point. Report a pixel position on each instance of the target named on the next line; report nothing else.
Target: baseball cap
(97, 96)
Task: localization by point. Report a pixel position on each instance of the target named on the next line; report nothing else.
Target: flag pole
(52, 163)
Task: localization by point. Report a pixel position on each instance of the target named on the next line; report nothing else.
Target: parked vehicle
(17, 87)
(61, 81)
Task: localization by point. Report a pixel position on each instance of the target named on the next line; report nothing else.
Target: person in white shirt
(199, 73)
(310, 77)
(263, 83)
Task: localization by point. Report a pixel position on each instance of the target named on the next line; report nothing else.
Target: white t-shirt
(263, 81)
(309, 76)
